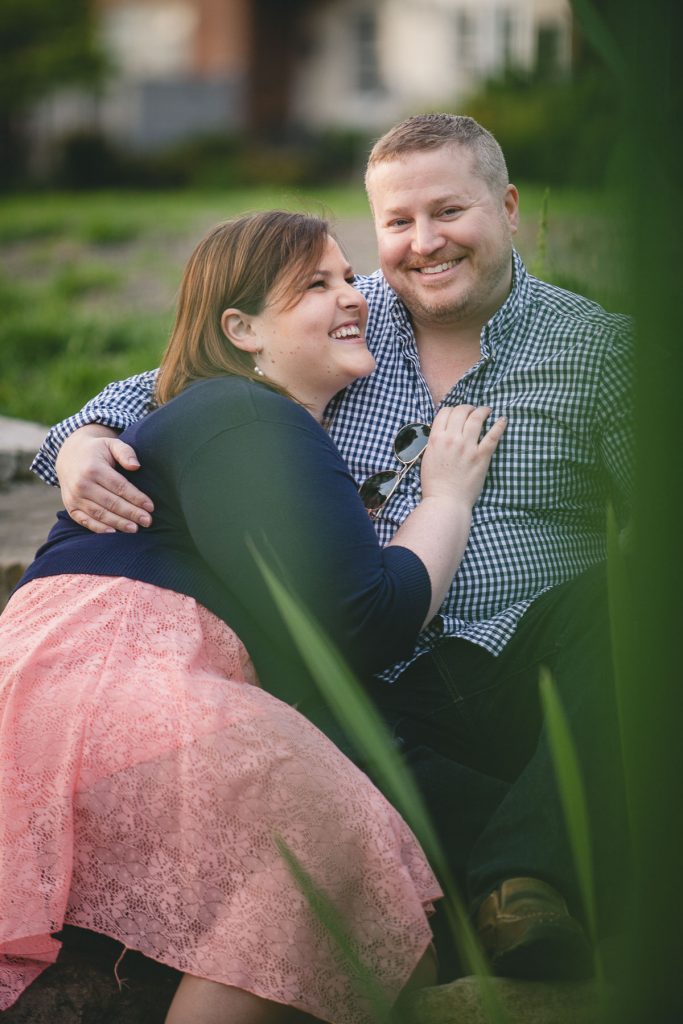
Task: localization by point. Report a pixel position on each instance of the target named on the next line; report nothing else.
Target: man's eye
(450, 210)
(399, 222)
(351, 279)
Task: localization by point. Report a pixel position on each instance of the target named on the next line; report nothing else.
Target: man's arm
(81, 454)
(615, 414)
(94, 493)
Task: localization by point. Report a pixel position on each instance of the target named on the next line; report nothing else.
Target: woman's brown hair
(242, 263)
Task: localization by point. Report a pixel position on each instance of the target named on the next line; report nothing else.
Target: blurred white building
(370, 63)
(184, 67)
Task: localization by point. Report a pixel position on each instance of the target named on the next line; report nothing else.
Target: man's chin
(437, 310)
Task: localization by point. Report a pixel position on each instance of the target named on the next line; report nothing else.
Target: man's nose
(427, 237)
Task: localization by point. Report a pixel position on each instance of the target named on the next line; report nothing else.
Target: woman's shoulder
(210, 408)
(217, 404)
(231, 401)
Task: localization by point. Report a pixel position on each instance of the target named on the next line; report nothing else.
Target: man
(455, 318)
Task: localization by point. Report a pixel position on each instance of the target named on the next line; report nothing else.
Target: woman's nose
(351, 298)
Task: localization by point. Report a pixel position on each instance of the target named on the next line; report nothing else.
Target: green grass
(118, 216)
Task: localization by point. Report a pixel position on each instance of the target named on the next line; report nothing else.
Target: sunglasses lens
(376, 489)
(411, 441)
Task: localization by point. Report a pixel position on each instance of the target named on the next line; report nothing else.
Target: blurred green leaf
(599, 34)
(573, 798)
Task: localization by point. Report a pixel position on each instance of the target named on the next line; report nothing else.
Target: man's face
(444, 238)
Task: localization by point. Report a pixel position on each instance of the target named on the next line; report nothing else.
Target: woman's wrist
(455, 503)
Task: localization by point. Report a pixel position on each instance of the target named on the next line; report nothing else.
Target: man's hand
(94, 494)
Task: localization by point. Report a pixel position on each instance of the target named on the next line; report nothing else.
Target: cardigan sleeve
(284, 489)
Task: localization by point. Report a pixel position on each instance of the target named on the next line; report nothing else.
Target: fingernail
(131, 528)
(144, 520)
(148, 506)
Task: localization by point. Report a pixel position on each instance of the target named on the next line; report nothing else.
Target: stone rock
(27, 512)
(520, 1002)
(19, 441)
(82, 987)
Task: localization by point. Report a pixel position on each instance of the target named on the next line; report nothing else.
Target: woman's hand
(456, 461)
(94, 494)
(454, 466)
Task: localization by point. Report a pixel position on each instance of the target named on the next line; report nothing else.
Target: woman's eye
(351, 279)
(317, 284)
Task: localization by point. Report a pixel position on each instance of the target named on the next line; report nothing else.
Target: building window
(154, 40)
(367, 62)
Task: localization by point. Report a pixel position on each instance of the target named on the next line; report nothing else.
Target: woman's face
(316, 346)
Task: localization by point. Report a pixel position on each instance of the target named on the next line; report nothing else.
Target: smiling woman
(295, 321)
(314, 337)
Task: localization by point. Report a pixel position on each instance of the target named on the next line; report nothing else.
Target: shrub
(560, 132)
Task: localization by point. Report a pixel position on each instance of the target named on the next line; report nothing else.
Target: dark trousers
(471, 728)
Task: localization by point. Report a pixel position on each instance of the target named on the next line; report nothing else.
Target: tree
(44, 44)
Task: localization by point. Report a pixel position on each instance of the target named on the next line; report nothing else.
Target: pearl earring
(257, 369)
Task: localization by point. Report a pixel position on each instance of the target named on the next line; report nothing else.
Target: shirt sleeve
(287, 492)
(616, 419)
(118, 406)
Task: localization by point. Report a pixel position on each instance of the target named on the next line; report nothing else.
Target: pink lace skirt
(144, 781)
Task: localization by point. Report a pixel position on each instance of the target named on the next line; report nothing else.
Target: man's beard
(466, 304)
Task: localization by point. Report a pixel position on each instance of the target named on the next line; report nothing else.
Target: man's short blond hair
(432, 131)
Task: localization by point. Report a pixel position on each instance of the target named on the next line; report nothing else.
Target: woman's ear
(236, 326)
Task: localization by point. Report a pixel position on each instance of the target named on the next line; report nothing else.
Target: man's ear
(511, 203)
(237, 327)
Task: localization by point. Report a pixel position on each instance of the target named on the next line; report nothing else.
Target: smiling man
(456, 319)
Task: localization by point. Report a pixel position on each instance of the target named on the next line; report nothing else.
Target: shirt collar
(504, 320)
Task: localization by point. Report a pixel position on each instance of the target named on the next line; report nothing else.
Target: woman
(146, 781)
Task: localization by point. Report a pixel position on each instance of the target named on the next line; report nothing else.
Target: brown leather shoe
(527, 932)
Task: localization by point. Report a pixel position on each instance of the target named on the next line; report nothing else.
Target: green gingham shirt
(559, 367)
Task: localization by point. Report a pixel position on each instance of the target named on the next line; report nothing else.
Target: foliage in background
(557, 132)
(639, 47)
(88, 160)
(43, 44)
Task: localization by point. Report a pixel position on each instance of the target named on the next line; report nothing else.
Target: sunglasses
(409, 444)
